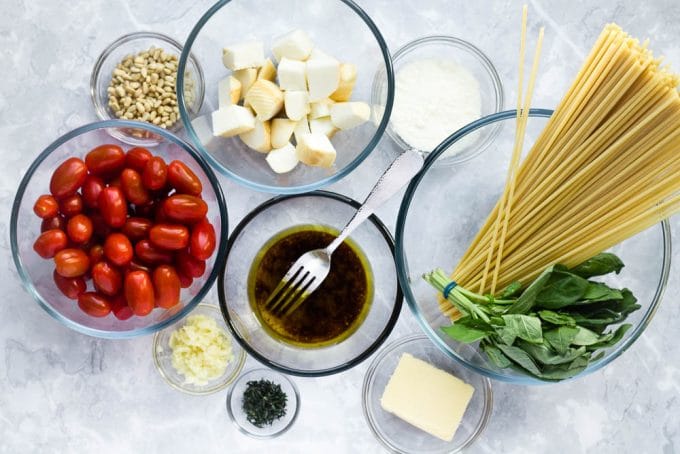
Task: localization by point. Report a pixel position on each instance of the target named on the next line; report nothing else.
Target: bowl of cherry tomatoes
(117, 241)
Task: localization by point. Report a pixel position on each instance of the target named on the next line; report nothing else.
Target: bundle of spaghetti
(605, 167)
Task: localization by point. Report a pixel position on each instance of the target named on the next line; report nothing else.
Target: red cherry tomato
(139, 292)
(57, 222)
(169, 236)
(150, 254)
(92, 187)
(183, 179)
(183, 208)
(203, 240)
(166, 286)
(68, 178)
(105, 160)
(118, 249)
(184, 280)
(106, 279)
(101, 228)
(46, 207)
(49, 243)
(79, 229)
(188, 265)
(94, 304)
(145, 211)
(137, 228)
(71, 205)
(155, 173)
(134, 190)
(120, 308)
(71, 287)
(96, 254)
(71, 262)
(112, 206)
(137, 158)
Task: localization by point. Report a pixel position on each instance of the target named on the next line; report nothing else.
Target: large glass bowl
(338, 27)
(319, 209)
(443, 209)
(36, 272)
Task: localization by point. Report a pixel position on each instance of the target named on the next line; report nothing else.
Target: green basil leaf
(599, 265)
(585, 337)
(506, 334)
(521, 358)
(598, 318)
(464, 334)
(496, 356)
(545, 355)
(614, 338)
(561, 338)
(556, 318)
(525, 327)
(511, 290)
(527, 299)
(562, 372)
(562, 289)
(597, 291)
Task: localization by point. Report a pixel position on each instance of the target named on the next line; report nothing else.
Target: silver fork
(309, 271)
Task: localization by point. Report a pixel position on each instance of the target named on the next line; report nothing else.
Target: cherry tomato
(112, 206)
(101, 228)
(159, 216)
(137, 228)
(105, 160)
(203, 240)
(71, 205)
(150, 254)
(106, 279)
(71, 262)
(166, 286)
(137, 158)
(183, 179)
(79, 229)
(92, 187)
(184, 280)
(188, 265)
(96, 254)
(120, 308)
(139, 292)
(46, 207)
(118, 249)
(57, 222)
(49, 243)
(145, 211)
(68, 178)
(94, 304)
(134, 190)
(71, 287)
(155, 173)
(183, 208)
(169, 236)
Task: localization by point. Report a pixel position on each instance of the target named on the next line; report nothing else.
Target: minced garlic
(201, 350)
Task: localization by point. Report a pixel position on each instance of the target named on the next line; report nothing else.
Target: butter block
(426, 397)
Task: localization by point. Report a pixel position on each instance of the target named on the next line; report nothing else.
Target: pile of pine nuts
(143, 88)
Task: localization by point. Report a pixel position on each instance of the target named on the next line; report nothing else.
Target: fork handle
(397, 175)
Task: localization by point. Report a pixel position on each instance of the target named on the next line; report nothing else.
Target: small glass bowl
(471, 58)
(162, 356)
(401, 437)
(129, 44)
(238, 417)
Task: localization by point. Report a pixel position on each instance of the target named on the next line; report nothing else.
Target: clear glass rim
(384, 334)
(241, 360)
(486, 64)
(341, 173)
(403, 274)
(25, 278)
(487, 392)
(100, 108)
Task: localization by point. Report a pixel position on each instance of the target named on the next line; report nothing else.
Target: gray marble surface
(65, 392)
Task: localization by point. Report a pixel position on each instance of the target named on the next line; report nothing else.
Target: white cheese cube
(322, 125)
(426, 397)
(320, 108)
(249, 54)
(265, 98)
(282, 130)
(228, 91)
(247, 78)
(301, 129)
(259, 138)
(296, 104)
(292, 75)
(282, 160)
(347, 115)
(323, 77)
(295, 45)
(232, 120)
(267, 71)
(348, 77)
(315, 150)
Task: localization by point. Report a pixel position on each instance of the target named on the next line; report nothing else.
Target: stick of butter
(426, 397)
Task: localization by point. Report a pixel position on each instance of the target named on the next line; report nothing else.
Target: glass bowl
(239, 418)
(262, 224)
(162, 356)
(471, 58)
(401, 437)
(130, 44)
(338, 27)
(36, 272)
(469, 191)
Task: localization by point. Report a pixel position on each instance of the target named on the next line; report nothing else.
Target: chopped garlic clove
(228, 91)
(282, 130)
(315, 150)
(323, 126)
(232, 120)
(284, 159)
(292, 75)
(323, 77)
(301, 129)
(265, 98)
(259, 138)
(248, 54)
(347, 115)
(295, 45)
(247, 78)
(296, 104)
(348, 77)
(267, 71)
(320, 108)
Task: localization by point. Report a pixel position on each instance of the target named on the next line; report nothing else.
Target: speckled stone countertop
(61, 391)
